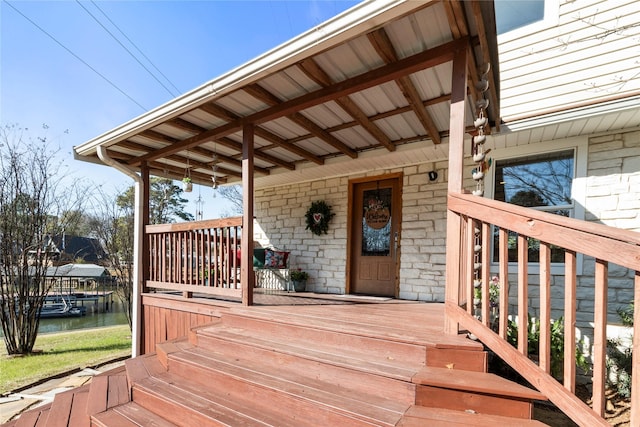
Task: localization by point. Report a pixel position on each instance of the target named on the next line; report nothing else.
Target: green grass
(61, 352)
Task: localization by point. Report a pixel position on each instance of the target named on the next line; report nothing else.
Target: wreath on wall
(318, 216)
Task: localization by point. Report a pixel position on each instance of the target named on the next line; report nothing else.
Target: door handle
(395, 245)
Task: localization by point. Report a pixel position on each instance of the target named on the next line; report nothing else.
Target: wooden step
(361, 322)
(355, 378)
(239, 377)
(239, 340)
(454, 358)
(361, 341)
(129, 415)
(107, 390)
(474, 391)
(420, 416)
(34, 417)
(187, 403)
(70, 408)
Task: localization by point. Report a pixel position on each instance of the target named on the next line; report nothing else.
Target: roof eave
(364, 16)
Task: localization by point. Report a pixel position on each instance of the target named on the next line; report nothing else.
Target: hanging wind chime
(479, 155)
(477, 142)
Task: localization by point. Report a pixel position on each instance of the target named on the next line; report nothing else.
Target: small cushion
(258, 257)
(275, 259)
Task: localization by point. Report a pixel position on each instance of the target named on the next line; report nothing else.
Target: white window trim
(580, 145)
(550, 19)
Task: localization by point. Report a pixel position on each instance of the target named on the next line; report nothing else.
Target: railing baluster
(600, 336)
(469, 261)
(503, 271)
(486, 267)
(545, 307)
(570, 320)
(635, 374)
(595, 241)
(523, 294)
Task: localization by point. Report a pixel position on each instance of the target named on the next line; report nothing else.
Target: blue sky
(81, 82)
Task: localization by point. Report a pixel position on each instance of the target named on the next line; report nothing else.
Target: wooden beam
(247, 277)
(455, 178)
(313, 70)
(222, 112)
(403, 67)
(234, 145)
(270, 99)
(382, 44)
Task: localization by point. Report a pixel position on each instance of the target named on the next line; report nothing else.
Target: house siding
(586, 54)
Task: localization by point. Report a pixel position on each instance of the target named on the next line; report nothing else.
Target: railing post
(455, 177)
(635, 373)
(246, 269)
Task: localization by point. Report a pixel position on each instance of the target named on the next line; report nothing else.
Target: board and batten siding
(587, 54)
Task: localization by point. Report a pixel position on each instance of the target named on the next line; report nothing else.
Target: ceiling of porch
(371, 85)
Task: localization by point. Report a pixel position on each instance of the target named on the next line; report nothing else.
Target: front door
(374, 246)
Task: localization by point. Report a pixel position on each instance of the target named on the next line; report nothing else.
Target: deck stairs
(265, 367)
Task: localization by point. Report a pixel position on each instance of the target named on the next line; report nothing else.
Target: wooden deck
(316, 362)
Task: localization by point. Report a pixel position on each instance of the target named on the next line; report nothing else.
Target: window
(542, 182)
(511, 14)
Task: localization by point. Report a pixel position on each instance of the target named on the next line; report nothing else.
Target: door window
(376, 222)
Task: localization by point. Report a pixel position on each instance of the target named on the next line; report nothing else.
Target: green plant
(494, 291)
(299, 275)
(186, 179)
(620, 358)
(557, 344)
(626, 314)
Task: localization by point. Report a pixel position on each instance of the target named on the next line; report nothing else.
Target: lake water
(115, 316)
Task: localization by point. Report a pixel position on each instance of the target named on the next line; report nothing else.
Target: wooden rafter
(426, 59)
(157, 136)
(270, 99)
(460, 28)
(225, 114)
(384, 115)
(313, 70)
(382, 44)
(237, 146)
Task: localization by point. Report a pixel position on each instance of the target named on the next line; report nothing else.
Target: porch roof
(371, 84)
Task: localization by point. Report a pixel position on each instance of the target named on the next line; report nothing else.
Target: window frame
(549, 20)
(579, 145)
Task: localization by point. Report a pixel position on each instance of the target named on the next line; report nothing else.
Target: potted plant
(187, 185)
(299, 280)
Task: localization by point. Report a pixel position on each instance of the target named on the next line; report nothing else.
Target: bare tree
(112, 224)
(31, 201)
(233, 193)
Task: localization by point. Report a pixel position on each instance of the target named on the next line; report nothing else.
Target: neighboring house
(64, 249)
(374, 112)
(77, 248)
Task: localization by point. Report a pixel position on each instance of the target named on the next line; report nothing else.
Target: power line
(128, 51)
(76, 56)
(139, 50)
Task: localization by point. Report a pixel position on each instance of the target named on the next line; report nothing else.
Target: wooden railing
(479, 257)
(196, 257)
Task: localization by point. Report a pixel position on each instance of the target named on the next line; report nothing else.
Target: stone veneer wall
(612, 198)
(280, 222)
